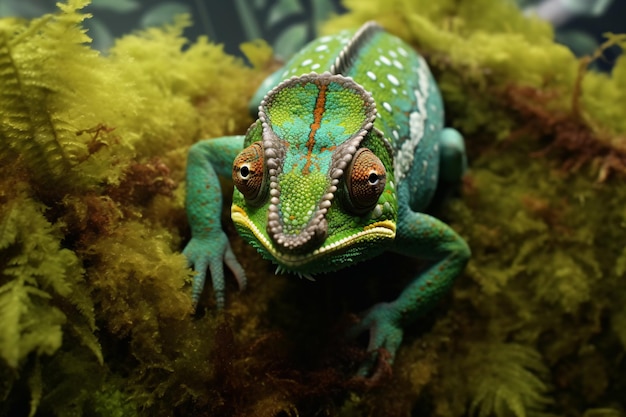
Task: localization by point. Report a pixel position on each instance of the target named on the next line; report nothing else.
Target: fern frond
(35, 385)
(26, 126)
(84, 333)
(563, 279)
(40, 258)
(506, 379)
(48, 72)
(13, 305)
(27, 325)
(40, 278)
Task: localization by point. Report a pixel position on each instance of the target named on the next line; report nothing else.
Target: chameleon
(341, 164)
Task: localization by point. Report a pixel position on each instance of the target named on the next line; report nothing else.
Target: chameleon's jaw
(376, 233)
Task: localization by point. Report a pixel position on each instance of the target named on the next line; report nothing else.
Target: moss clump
(92, 150)
(94, 295)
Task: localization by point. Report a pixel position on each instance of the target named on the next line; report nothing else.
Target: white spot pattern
(417, 121)
(405, 153)
(393, 80)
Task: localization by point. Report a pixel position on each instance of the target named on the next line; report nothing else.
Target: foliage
(505, 379)
(37, 276)
(91, 168)
(286, 24)
(94, 295)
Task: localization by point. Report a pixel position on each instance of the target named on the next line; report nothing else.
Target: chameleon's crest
(312, 127)
(348, 55)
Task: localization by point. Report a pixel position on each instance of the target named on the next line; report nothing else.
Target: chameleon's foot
(212, 254)
(385, 334)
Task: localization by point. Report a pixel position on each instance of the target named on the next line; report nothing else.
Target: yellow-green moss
(95, 146)
(94, 293)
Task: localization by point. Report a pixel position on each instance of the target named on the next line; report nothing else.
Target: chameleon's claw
(385, 334)
(240, 274)
(200, 266)
(212, 254)
(377, 372)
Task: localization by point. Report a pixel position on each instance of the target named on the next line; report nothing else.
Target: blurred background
(289, 24)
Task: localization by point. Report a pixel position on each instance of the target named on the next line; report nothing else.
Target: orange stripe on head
(318, 112)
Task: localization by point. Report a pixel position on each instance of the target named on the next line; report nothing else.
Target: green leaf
(163, 14)
(119, 6)
(506, 379)
(282, 9)
(290, 40)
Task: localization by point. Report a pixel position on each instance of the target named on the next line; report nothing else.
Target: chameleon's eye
(249, 173)
(365, 180)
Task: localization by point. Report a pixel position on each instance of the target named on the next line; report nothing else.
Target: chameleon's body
(339, 167)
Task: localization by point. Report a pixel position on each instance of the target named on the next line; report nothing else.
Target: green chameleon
(345, 156)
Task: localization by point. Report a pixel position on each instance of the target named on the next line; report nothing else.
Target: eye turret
(249, 173)
(365, 180)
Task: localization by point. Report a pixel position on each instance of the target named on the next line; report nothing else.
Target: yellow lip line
(384, 229)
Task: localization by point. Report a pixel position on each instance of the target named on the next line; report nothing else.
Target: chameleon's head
(314, 185)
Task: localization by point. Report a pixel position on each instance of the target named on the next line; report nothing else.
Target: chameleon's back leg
(452, 157)
(421, 236)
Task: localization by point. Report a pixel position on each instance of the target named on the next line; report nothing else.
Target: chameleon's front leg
(209, 246)
(421, 236)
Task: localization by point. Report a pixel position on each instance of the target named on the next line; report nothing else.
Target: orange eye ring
(249, 173)
(365, 181)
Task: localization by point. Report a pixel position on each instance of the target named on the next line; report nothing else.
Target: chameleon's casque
(339, 166)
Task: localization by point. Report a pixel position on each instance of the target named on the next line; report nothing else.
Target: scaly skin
(342, 162)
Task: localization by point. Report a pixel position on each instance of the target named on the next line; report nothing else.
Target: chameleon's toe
(212, 254)
(236, 268)
(193, 252)
(384, 331)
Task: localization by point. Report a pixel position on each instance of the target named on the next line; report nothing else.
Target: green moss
(94, 293)
(93, 150)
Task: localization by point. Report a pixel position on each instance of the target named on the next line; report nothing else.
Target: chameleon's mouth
(371, 234)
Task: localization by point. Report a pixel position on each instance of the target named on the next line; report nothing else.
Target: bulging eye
(365, 180)
(249, 173)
